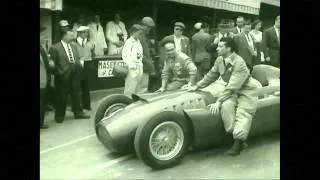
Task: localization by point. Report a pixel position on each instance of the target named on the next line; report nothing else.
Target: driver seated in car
(237, 102)
(179, 71)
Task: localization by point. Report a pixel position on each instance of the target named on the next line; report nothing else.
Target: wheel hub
(166, 140)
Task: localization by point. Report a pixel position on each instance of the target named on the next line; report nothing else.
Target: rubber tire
(143, 133)
(108, 101)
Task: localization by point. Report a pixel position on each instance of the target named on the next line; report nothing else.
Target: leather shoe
(236, 148)
(44, 126)
(59, 119)
(244, 145)
(81, 116)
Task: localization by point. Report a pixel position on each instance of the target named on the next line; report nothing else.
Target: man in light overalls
(237, 102)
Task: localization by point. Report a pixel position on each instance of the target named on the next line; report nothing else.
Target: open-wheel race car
(161, 127)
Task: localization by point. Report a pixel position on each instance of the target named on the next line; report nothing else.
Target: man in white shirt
(67, 76)
(85, 49)
(116, 35)
(239, 28)
(97, 37)
(132, 55)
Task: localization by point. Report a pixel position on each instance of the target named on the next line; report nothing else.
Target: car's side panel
(208, 130)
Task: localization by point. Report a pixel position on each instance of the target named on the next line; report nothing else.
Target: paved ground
(71, 151)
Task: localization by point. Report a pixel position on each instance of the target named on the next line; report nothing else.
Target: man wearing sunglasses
(181, 42)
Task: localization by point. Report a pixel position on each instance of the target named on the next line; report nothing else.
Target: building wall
(46, 21)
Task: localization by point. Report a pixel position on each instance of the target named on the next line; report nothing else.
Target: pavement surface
(71, 151)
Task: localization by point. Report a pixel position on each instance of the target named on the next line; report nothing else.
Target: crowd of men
(227, 56)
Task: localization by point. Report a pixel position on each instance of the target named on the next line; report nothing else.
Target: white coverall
(132, 54)
(112, 30)
(98, 39)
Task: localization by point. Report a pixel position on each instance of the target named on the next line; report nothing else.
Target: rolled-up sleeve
(211, 76)
(165, 71)
(238, 77)
(192, 70)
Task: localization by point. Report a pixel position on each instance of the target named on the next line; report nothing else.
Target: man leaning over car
(178, 69)
(237, 102)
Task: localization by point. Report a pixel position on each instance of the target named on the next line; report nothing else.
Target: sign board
(246, 3)
(54, 5)
(105, 68)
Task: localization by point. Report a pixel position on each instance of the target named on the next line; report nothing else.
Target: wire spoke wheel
(166, 140)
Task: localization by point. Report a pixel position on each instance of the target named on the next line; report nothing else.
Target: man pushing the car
(178, 70)
(237, 102)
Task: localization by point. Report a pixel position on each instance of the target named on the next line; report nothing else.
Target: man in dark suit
(67, 76)
(245, 45)
(201, 57)
(181, 42)
(223, 32)
(271, 43)
(46, 66)
(239, 28)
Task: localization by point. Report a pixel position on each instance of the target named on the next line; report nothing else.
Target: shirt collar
(229, 59)
(64, 43)
(133, 40)
(177, 38)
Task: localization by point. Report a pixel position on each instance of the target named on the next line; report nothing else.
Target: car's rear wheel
(109, 105)
(162, 141)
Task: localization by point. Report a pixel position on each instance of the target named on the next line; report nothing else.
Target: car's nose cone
(105, 138)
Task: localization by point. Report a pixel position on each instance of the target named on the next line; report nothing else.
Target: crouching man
(237, 102)
(179, 71)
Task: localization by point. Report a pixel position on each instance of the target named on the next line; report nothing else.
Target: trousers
(133, 81)
(144, 83)
(43, 102)
(65, 85)
(203, 68)
(237, 113)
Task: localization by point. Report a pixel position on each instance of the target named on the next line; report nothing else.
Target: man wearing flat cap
(85, 49)
(182, 43)
(147, 24)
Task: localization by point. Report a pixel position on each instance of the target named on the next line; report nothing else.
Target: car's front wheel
(109, 105)
(162, 141)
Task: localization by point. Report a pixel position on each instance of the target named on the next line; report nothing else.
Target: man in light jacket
(97, 37)
(237, 100)
(116, 35)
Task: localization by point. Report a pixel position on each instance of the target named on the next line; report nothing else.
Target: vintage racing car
(161, 127)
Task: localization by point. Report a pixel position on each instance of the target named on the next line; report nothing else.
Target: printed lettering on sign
(105, 68)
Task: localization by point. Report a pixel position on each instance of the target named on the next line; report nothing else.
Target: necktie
(97, 27)
(82, 42)
(70, 54)
(249, 41)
